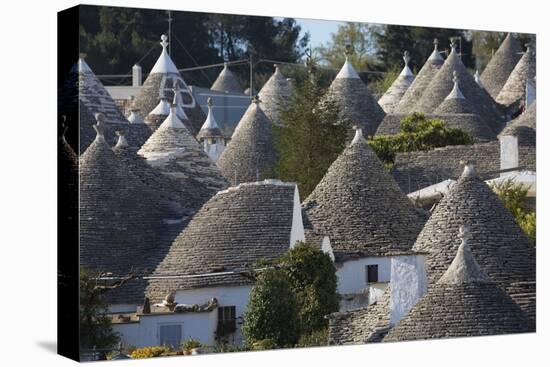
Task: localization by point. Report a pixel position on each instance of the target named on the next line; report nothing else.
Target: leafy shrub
(264, 344)
(150, 352)
(190, 344)
(417, 133)
(317, 338)
(272, 310)
(313, 279)
(514, 198)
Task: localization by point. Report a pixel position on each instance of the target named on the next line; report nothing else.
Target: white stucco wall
(509, 153)
(297, 230)
(197, 325)
(352, 274)
(214, 151)
(408, 274)
(146, 333)
(326, 247)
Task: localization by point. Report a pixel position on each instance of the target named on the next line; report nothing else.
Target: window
(227, 320)
(372, 273)
(170, 335)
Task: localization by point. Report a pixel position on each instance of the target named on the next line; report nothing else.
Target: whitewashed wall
(352, 276)
(408, 274)
(146, 333)
(200, 326)
(214, 151)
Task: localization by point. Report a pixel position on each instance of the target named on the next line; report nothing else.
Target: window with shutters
(227, 321)
(170, 335)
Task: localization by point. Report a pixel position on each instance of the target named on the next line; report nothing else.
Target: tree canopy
(417, 133)
(311, 138)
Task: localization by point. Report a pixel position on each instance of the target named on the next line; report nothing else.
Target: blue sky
(320, 30)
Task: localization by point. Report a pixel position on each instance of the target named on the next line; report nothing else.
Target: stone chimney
(509, 153)
(137, 76)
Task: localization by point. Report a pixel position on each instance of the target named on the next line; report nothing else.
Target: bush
(95, 324)
(150, 352)
(313, 279)
(272, 311)
(417, 133)
(317, 338)
(190, 344)
(514, 196)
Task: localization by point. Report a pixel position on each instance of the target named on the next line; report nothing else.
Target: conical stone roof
(251, 154)
(210, 127)
(275, 94)
(524, 126)
(498, 244)
(82, 90)
(162, 79)
(418, 86)
(156, 117)
(395, 92)
(226, 82)
(356, 103)
(120, 218)
(501, 65)
(175, 152)
(442, 84)
(455, 102)
(463, 302)
(513, 90)
(181, 197)
(360, 207)
(235, 228)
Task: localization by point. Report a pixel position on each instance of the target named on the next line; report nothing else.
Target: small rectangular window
(372, 274)
(227, 320)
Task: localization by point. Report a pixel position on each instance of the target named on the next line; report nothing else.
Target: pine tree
(311, 138)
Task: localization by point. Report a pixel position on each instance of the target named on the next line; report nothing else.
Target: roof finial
(122, 142)
(176, 89)
(455, 78)
(406, 58)
(469, 169)
(436, 43)
(256, 100)
(164, 41)
(225, 65)
(464, 233)
(358, 135)
(100, 118)
(209, 103)
(100, 126)
(453, 44)
(82, 55)
(349, 51)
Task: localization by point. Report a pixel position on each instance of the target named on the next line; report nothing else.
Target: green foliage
(380, 86)
(190, 344)
(311, 138)
(356, 35)
(264, 344)
(317, 338)
(514, 198)
(151, 352)
(392, 40)
(313, 279)
(95, 324)
(417, 133)
(115, 38)
(272, 311)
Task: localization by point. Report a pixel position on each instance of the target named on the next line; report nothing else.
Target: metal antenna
(170, 19)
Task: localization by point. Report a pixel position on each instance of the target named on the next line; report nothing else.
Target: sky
(320, 30)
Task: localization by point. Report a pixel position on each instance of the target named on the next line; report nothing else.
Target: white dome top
(164, 64)
(347, 71)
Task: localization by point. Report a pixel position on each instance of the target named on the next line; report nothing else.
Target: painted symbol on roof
(167, 86)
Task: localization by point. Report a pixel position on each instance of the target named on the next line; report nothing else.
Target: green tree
(95, 324)
(311, 138)
(271, 315)
(392, 40)
(358, 36)
(417, 133)
(514, 197)
(313, 279)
